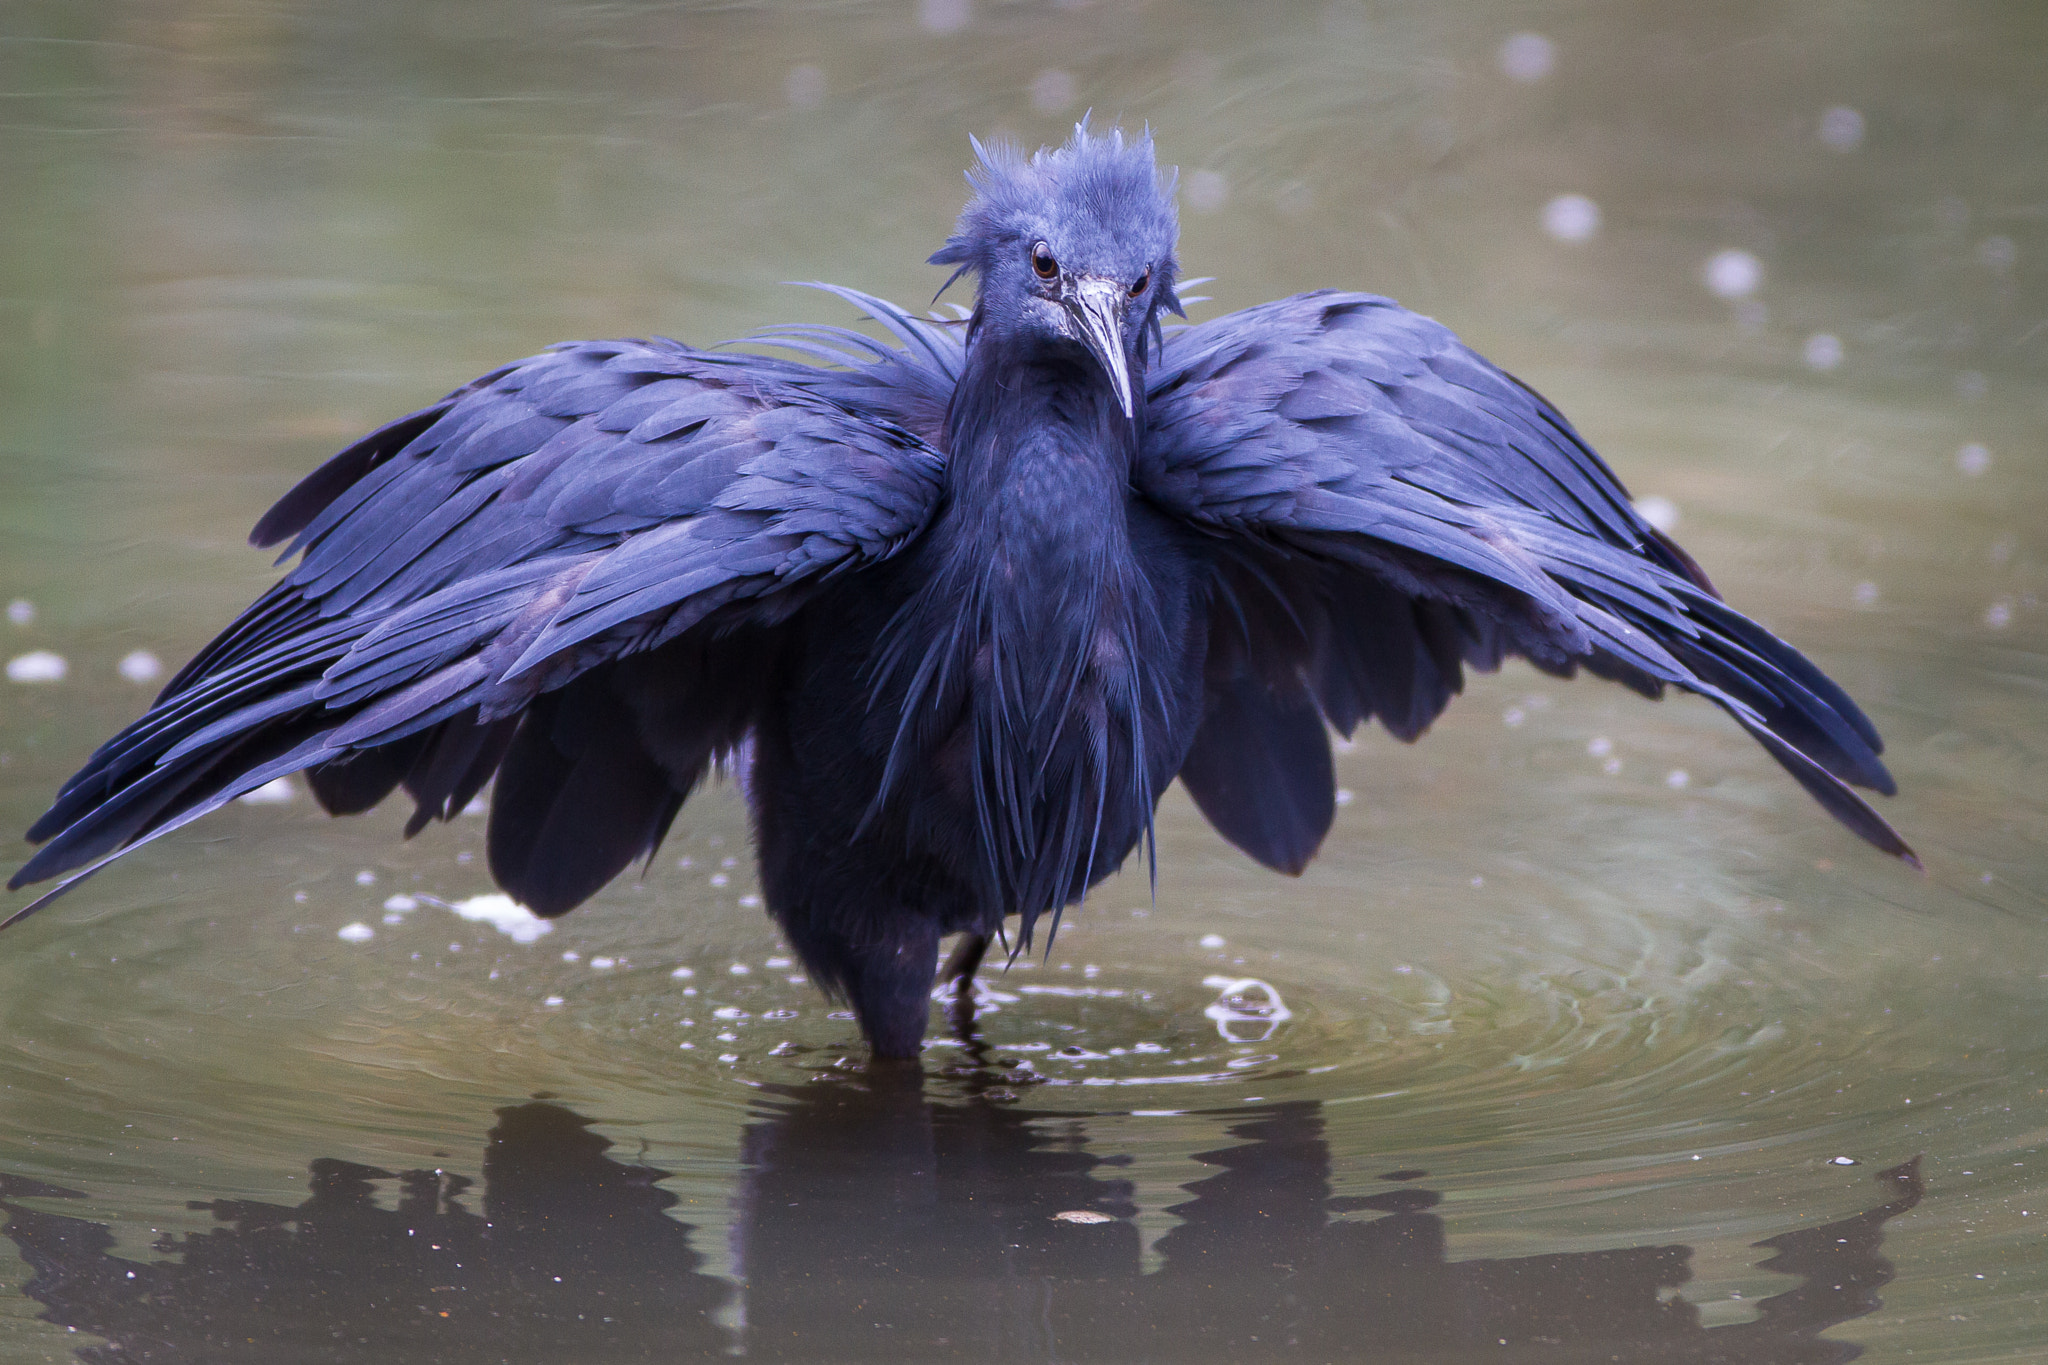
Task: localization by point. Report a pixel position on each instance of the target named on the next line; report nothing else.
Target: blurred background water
(1595, 967)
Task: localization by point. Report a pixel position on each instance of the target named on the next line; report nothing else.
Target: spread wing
(1390, 508)
(569, 572)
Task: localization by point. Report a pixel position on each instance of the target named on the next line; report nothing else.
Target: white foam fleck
(778, 963)
(1998, 615)
(1572, 218)
(1661, 513)
(804, 86)
(683, 973)
(1212, 940)
(603, 964)
(1841, 129)
(1527, 57)
(1207, 191)
(21, 611)
(1732, 274)
(37, 666)
(504, 914)
(739, 969)
(1052, 90)
(366, 878)
(277, 791)
(355, 933)
(944, 16)
(140, 666)
(1600, 746)
(401, 904)
(1678, 779)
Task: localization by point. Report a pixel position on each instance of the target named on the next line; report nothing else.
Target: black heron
(963, 607)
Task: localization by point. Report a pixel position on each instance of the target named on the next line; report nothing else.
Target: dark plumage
(966, 607)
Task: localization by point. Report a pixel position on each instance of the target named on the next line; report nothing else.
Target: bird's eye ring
(1042, 263)
(1138, 285)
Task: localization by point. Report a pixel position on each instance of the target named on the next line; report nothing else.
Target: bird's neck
(1037, 423)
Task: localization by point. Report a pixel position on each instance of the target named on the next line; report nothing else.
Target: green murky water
(1591, 976)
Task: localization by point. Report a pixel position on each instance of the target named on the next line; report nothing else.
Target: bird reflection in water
(878, 1223)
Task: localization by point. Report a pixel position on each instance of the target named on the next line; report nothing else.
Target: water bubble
(355, 933)
(1600, 746)
(1345, 796)
(1513, 716)
(683, 973)
(140, 666)
(1246, 1010)
(1661, 513)
(1998, 615)
(21, 611)
(1527, 57)
(1212, 941)
(1841, 129)
(553, 1002)
(739, 969)
(1678, 779)
(1571, 218)
(38, 666)
(366, 878)
(572, 956)
(1206, 191)
(276, 792)
(1865, 595)
(1612, 767)
(1732, 274)
(778, 963)
(1843, 1161)
(1823, 351)
(944, 16)
(1052, 90)
(804, 86)
(399, 905)
(1973, 459)
(603, 964)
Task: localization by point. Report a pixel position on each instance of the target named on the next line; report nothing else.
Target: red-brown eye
(1138, 285)
(1042, 263)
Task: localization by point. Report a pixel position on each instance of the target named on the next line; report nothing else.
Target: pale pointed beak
(1097, 307)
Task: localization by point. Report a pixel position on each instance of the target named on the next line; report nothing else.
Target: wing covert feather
(1449, 515)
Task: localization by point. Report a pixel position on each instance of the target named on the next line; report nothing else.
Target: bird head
(1071, 246)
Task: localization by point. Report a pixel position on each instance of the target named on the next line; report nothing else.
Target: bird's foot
(958, 973)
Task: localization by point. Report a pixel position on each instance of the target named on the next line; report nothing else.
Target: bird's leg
(959, 973)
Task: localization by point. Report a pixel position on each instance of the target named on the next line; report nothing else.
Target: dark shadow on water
(877, 1223)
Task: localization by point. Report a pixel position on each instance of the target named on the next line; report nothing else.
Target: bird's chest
(1074, 652)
